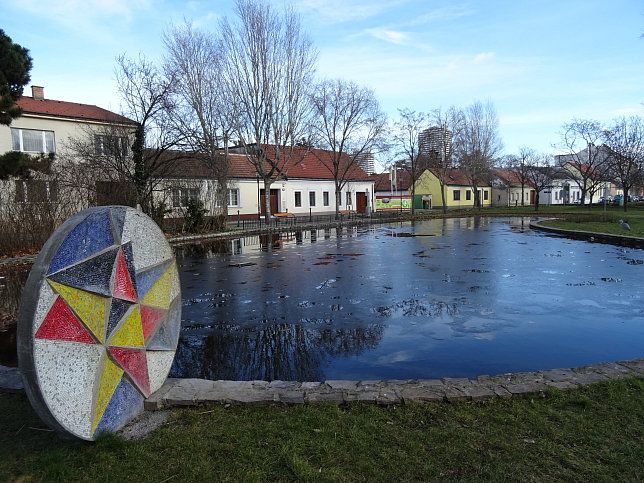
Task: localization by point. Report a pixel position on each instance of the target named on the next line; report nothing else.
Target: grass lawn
(594, 433)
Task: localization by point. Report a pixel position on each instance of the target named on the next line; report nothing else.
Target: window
(486, 195)
(36, 191)
(325, 198)
(32, 141)
(111, 145)
(181, 196)
(233, 197)
(311, 198)
(468, 195)
(349, 199)
(298, 198)
(457, 195)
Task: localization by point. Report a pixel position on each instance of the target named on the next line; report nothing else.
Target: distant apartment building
(435, 140)
(366, 162)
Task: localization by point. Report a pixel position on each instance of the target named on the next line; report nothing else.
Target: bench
(284, 217)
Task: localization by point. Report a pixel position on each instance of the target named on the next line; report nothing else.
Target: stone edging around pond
(192, 392)
(622, 240)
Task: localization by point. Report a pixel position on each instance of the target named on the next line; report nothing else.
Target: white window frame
(233, 197)
(181, 195)
(312, 200)
(101, 146)
(297, 199)
(29, 196)
(18, 141)
(325, 198)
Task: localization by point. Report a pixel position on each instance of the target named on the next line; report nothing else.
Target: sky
(541, 63)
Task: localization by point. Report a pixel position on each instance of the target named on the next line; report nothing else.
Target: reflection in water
(441, 298)
(268, 352)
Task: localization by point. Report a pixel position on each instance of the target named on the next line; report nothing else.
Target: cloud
(336, 11)
(442, 15)
(391, 36)
(483, 57)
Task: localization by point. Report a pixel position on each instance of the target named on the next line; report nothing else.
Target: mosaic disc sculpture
(99, 321)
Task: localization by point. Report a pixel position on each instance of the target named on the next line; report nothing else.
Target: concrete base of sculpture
(99, 321)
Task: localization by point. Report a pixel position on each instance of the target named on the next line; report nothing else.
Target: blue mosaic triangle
(145, 279)
(90, 236)
(117, 310)
(93, 275)
(125, 404)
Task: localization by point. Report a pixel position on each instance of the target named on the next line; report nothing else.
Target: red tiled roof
(589, 171)
(383, 180)
(454, 177)
(66, 109)
(511, 177)
(313, 166)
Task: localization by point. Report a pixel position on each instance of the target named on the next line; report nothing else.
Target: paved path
(191, 392)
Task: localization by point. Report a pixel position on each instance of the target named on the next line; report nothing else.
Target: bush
(195, 218)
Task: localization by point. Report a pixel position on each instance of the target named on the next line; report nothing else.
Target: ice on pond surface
(438, 298)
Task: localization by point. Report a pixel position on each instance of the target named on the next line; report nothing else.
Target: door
(273, 201)
(361, 202)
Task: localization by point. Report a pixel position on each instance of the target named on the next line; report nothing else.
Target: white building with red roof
(307, 189)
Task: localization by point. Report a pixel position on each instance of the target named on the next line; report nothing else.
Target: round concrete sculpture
(99, 321)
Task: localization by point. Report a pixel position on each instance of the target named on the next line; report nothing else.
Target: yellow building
(458, 190)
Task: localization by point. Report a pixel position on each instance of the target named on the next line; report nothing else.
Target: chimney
(38, 93)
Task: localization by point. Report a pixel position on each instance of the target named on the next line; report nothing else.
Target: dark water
(456, 297)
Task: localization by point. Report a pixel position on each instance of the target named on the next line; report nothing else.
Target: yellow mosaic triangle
(130, 332)
(110, 378)
(160, 293)
(89, 307)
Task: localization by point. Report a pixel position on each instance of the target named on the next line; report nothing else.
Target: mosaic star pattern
(108, 339)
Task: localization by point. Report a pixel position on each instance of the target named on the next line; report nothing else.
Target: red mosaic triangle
(134, 362)
(123, 288)
(61, 324)
(150, 317)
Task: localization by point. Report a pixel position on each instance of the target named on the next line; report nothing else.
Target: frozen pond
(440, 298)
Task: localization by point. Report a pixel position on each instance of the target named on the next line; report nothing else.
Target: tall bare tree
(146, 95)
(201, 115)
(478, 143)
(625, 151)
(349, 123)
(268, 69)
(540, 172)
(449, 124)
(407, 143)
(521, 164)
(581, 160)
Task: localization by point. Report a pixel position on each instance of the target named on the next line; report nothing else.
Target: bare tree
(478, 143)
(268, 69)
(625, 152)
(521, 164)
(349, 123)
(407, 142)
(539, 172)
(448, 125)
(200, 115)
(581, 160)
(146, 94)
